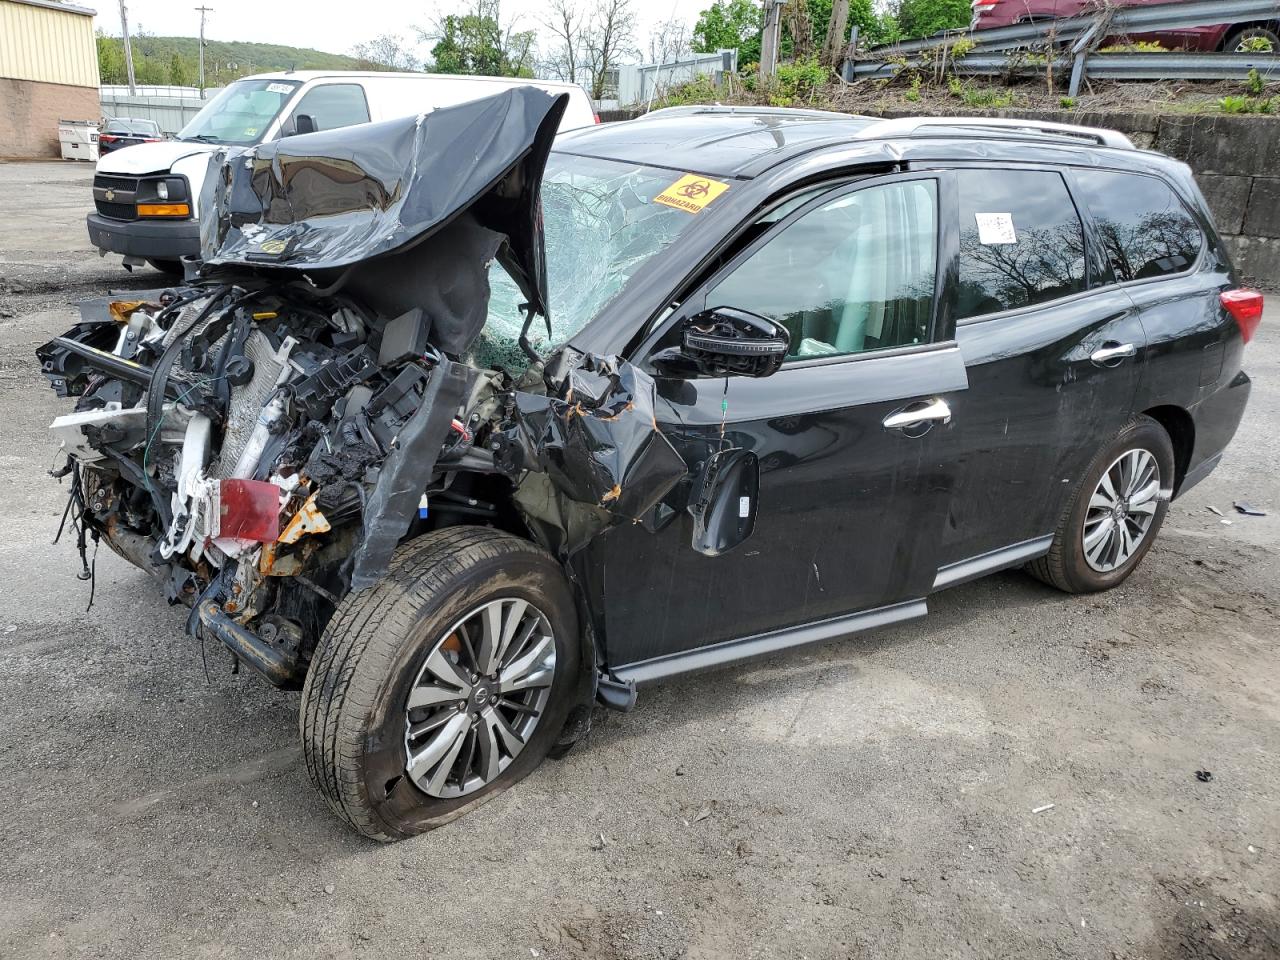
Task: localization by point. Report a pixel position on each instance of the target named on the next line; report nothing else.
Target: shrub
(1254, 83)
(1067, 103)
(802, 80)
(914, 93)
(1258, 45)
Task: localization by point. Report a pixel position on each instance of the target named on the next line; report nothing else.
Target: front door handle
(1112, 351)
(918, 414)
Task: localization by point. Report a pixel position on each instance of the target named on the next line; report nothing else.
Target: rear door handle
(918, 414)
(1112, 351)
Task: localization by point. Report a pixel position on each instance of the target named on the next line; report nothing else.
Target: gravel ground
(867, 798)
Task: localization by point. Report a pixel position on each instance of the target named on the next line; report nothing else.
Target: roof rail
(748, 110)
(907, 126)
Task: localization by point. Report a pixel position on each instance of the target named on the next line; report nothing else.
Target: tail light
(247, 510)
(596, 116)
(1245, 307)
(107, 138)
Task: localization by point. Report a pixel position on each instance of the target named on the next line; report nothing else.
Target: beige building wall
(48, 72)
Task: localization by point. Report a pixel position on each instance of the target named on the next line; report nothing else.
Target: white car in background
(146, 197)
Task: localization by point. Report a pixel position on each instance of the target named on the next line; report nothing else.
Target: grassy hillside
(173, 60)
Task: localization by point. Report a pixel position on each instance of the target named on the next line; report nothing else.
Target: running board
(979, 566)
(761, 644)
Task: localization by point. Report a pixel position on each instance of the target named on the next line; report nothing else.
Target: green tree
(924, 18)
(180, 72)
(476, 43)
(110, 60)
(873, 28)
(730, 24)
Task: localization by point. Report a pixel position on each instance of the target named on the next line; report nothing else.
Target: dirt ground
(868, 798)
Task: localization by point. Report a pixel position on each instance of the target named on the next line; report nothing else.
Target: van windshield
(241, 113)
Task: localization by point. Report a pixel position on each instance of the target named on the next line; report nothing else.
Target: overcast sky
(334, 25)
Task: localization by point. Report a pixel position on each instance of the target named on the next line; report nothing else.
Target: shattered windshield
(601, 225)
(241, 113)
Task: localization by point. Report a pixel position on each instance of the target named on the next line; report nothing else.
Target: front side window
(853, 274)
(334, 105)
(241, 113)
(1021, 240)
(1145, 229)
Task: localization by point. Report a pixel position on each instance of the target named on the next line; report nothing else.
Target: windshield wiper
(204, 138)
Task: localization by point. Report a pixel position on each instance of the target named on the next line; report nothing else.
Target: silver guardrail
(1082, 34)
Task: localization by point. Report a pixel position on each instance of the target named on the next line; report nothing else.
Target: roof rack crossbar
(906, 126)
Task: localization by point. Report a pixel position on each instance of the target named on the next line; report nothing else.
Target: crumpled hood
(152, 157)
(325, 201)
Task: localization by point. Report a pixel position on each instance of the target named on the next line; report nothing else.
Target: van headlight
(162, 190)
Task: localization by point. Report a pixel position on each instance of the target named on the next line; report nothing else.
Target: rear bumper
(150, 239)
(1217, 418)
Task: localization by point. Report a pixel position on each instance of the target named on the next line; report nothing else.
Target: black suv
(794, 373)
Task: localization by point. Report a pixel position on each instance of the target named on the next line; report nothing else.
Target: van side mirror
(304, 123)
(726, 341)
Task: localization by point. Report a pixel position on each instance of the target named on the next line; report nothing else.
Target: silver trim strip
(965, 570)
(731, 651)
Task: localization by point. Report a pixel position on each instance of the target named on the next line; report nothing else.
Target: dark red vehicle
(1231, 37)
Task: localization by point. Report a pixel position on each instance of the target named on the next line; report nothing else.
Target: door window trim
(839, 189)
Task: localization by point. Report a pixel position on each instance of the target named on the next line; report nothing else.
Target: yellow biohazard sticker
(273, 246)
(691, 193)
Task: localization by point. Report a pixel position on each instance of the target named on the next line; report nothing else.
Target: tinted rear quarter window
(1021, 240)
(1146, 231)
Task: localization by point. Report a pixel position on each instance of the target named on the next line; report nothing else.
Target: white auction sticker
(280, 88)
(995, 228)
(744, 507)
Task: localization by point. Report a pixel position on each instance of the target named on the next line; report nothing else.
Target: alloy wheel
(1121, 510)
(478, 697)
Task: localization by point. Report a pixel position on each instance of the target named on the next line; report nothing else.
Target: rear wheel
(443, 685)
(1115, 513)
(1238, 42)
(167, 266)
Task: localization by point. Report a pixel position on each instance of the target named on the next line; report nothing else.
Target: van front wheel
(443, 685)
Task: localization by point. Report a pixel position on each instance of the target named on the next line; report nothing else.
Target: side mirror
(304, 123)
(726, 341)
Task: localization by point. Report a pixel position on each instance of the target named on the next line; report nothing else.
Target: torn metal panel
(406, 473)
(599, 442)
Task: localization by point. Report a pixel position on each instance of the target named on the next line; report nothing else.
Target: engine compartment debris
(263, 438)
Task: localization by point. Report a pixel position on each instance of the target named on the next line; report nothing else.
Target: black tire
(1065, 566)
(1269, 33)
(168, 266)
(352, 718)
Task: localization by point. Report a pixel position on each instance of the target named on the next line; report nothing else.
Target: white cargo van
(145, 196)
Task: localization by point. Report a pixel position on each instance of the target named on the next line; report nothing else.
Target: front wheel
(1115, 513)
(1253, 40)
(167, 266)
(443, 685)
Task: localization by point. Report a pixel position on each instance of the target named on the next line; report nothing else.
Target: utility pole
(771, 39)
(128, 49)
(203, 10)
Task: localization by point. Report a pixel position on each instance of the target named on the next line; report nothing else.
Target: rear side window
(335, 105)
(1021, 240)
(1146, 230)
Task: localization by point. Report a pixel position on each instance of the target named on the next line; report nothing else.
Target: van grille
(115, 196)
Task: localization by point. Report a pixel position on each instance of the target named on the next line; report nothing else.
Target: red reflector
(1245, 307)
(248, 510)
